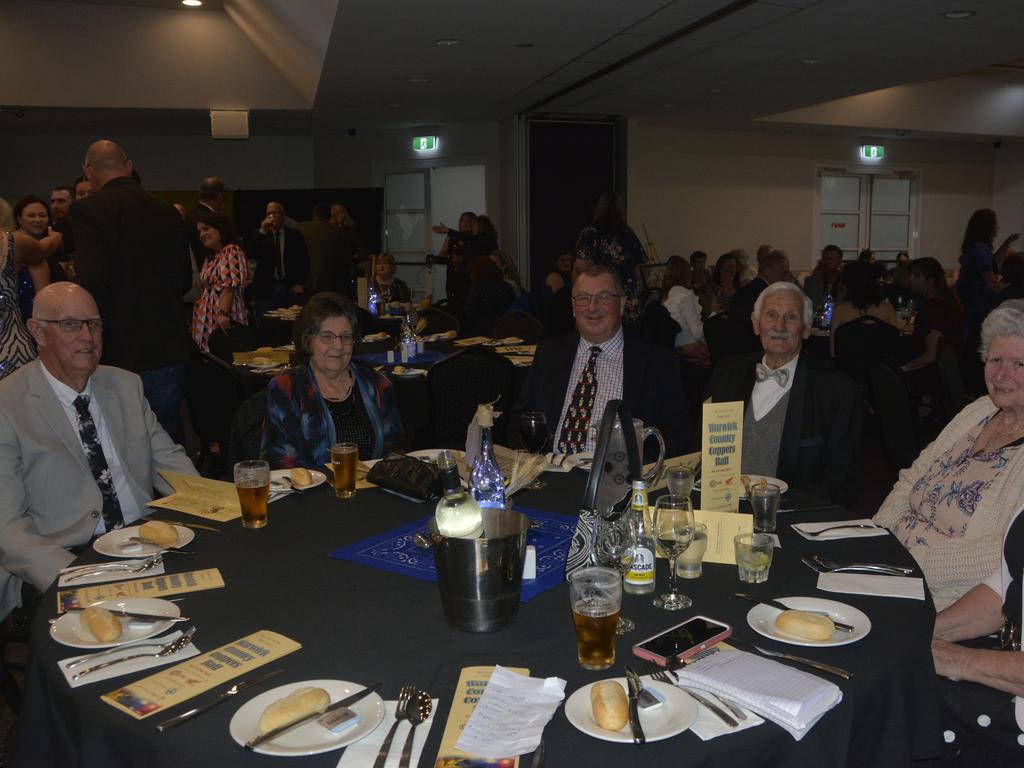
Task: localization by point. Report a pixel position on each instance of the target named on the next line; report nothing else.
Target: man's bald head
(72, 353)
(105, 160)
(57, 297)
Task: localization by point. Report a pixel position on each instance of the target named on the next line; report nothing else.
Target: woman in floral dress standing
(224, 277)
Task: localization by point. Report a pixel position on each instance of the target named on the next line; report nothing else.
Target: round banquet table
(362, 624)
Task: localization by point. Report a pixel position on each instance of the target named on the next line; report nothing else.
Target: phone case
(662, 661)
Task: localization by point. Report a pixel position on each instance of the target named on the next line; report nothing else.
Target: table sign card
(199, 674)
(721, 456)
(722, 528)
(154, 586)
(470, 688)
(200, 496)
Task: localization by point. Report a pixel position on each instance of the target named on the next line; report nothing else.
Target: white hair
(789, 287)
(1005, 320)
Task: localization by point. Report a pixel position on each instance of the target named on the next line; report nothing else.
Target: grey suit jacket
(48, 497)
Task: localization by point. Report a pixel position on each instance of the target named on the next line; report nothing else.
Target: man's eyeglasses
(74, 325)
(601, 299)
(329, 338)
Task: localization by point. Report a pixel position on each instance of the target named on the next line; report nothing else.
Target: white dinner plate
(761, 619)
(783, 485)
(281, 477)
(311, 738)
(68, 629)
(510, 341)
(370, 337)
(409, 373)
(673, 717)
(110, 543)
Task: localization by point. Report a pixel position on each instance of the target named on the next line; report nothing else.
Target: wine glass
(673, 530)
(614, 545)
(533, 431)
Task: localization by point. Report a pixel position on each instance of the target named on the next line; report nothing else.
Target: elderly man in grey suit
(79, 447)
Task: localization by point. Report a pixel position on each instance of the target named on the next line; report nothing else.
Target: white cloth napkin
(363, 753)
(840, 533)
(152, 644)
(872, 584)
(111, 575)
(710, 726)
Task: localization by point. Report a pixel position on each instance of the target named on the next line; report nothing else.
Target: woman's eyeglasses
(329, 338)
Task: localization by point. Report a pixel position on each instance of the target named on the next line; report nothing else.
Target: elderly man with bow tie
(801, 418)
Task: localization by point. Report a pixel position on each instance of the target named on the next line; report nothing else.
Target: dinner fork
(663, 675)
(168, 650)
(894, 570)
(840, 527)
(148, 565)
(401, 713)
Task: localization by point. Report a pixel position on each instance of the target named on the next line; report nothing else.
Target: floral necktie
(573, 437)
(98, 464)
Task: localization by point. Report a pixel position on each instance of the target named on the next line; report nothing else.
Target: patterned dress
(943, 501)
(16, 345)
(227, 269)
(623, 252)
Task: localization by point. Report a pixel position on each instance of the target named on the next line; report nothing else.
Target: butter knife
(634, 684)
(166, 725)
(347, 701)
(135, 614)
(783, 607)
(716, 710)
(743, 645)
(197, 526)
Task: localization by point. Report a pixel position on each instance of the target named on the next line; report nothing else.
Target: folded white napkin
(111, 575)
(555, 463)
(710, 726)
(790, 698)
(152, 645)
(839, 533)
(872, 584)
(363, 753)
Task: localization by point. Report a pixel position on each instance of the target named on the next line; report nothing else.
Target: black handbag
(407, 476)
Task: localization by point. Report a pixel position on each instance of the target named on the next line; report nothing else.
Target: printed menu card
(721, 455)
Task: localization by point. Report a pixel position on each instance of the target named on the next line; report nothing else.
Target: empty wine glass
(614, 545)
(673, 530)
(533, 431)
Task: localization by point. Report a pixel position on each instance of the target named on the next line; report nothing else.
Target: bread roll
(398, 369)
(301, 477)
(805, 625)
(159, 532)
(102, 624)
(609, 704)
(295, 706)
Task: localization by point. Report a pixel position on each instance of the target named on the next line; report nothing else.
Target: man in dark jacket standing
(130, 255)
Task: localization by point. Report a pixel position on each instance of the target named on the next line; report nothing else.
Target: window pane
(888, 231)
(840, 193)
(405, 190)
(407, 231)
(839, 229)
(890, 195)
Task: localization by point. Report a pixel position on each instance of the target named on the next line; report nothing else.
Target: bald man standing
(130, 255)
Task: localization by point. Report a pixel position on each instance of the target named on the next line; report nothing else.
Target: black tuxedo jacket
(820, 439)
(260, 248)
(651, 387)
(130, 255)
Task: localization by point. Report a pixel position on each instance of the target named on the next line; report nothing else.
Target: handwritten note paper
(472, 682)
(154, 586)
(510, 717)
(722, 448)
(200, 496)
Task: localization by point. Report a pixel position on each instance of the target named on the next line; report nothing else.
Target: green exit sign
(424, 143)
(872, 151)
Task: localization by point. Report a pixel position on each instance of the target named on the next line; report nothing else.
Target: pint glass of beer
(344, 458)
(252, 481)
(596, 596)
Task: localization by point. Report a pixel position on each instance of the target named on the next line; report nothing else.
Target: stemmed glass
(533, 431)
(673, 530)
(614, 545)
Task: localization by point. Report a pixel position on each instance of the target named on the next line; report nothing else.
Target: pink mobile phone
(683, 640)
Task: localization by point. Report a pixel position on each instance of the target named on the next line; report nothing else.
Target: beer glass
(252, 482)
(344, 459)
(764, 500)
(596, 596)
(673, 530)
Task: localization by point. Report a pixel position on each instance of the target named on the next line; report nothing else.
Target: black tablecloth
(360, 624)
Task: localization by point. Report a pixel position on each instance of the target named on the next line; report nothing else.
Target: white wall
(1009, 189)
(719, 190)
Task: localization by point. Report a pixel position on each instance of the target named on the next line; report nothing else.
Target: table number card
(199, 674)
(155, 586)
(200, 496)
(721, 456)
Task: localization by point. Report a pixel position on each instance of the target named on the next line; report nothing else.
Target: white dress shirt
(130, 507)
(607, 373)
(684, 307)
(766, 394)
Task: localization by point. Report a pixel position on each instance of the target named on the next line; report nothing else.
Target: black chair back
(436, 321)
(722, 339)
(947, 366)
(863, 343)
(247, 429)
(238, 338)
(459, 383)
(657, 325)
(895, 414)
(518, 324)
(212, 392)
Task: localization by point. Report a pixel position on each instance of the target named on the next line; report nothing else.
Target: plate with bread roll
(809, 622)
(142, 540)
(97, 627)
(299, 478)
(601, 710)
(293, 701)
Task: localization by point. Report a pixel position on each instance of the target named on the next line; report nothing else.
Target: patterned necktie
(98, 464)
(573, 437)
(762, 372)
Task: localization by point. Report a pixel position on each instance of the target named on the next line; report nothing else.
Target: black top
(1013, 553)
(352, 424)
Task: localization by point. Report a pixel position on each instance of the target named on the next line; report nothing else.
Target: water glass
(764, 500)
(753, 556)
(596, 597)
(673, 530)
(690, 565)
(680, 481)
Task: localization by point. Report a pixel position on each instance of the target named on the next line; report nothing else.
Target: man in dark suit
(130, 255)
(212, 198)
(624, 367)
(282, 262)
(801, 419)
(772, 266)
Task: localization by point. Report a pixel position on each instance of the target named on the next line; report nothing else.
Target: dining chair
(722, 339)
(462, 381)
(863, 343)
(895, 414)
(952, 395)
(247, 429)
(437, 321)
(519, 324)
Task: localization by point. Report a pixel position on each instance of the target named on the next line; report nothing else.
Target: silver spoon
(419, 710)
(168, 650)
